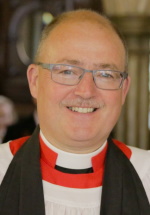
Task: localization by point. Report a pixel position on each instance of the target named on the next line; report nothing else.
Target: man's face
(91, 47)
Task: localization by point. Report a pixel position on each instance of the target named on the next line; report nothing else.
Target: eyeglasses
(72, 75)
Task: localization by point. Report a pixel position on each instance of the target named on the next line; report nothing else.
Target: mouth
(82, 110)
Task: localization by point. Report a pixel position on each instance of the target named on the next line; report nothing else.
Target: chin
(83, 136)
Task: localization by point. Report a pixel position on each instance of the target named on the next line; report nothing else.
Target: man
(8, 115)
(71, 165)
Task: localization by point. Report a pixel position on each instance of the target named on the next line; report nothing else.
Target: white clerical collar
(71, 160)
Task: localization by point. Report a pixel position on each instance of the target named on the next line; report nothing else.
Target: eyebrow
(70, 61)
(110, 66)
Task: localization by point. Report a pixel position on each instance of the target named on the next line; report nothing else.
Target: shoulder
(7, 151)
(5, 158)
(124, 148)
(16, 144)
(140, 159)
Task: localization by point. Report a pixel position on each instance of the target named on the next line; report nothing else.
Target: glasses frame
(50, 67)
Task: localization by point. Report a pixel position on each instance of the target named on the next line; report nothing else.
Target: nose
(86, 87)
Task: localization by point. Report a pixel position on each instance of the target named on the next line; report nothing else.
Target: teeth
(81, 110)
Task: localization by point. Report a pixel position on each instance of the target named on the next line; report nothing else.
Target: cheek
(115, 97)
(45, 87)
(45, 95)
(113, 102)
(50, 95)
(111, 111)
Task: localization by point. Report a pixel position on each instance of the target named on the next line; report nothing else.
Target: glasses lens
(107, 79)
(65, 74)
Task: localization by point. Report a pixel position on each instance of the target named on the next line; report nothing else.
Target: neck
(74, 146)
(72, 160)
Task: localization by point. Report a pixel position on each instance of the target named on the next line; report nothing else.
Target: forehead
(81, 40)
(71, 29)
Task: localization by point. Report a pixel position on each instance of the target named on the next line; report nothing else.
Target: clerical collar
(71, 160)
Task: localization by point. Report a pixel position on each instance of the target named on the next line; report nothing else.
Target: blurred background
(21, 22)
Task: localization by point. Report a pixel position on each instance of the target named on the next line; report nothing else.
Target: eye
(107, 75)
(112, 75)
(72, 72)
(62, 70)
(67, 72)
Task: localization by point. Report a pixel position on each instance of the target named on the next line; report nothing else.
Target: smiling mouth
(82, 110)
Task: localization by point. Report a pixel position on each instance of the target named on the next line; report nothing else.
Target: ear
(125, 88)
(32, 75)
